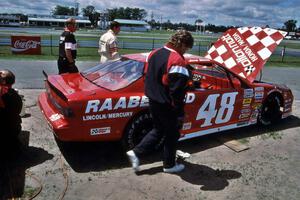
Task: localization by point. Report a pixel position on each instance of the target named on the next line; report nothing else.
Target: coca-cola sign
(26, 44)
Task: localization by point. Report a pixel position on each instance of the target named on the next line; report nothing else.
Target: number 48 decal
(208, 109)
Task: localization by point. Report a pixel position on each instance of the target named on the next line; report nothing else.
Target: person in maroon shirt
(165, 86)
(10, 109)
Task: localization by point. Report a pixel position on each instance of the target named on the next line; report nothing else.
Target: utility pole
(198, 24)
(76, 9)
(161, 22)
(152, 20)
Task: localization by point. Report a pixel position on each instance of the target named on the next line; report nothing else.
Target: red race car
(107, 102)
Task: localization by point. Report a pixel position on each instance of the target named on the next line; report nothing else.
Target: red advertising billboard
(26, 45)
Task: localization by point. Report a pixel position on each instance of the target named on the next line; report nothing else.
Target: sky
(218, 12)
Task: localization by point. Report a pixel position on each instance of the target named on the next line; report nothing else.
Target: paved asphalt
(29, 73)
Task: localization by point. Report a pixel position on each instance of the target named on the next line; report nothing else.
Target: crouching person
(10, 109)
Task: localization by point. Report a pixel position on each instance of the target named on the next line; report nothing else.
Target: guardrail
(131, 43)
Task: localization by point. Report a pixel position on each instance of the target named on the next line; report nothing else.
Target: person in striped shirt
(67, 49)
(166, 82)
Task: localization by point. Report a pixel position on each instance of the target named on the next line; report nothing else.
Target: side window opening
(213, 77)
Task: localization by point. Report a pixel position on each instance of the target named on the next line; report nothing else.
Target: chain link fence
(88, 45)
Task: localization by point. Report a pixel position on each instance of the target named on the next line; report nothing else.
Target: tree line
(94, 16)
(141, 14)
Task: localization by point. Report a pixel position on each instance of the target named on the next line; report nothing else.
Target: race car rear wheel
(136, 130)
(270, 111)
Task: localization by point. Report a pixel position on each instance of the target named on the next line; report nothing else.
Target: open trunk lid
(70, 86)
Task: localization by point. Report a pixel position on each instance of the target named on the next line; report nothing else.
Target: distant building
(133, 25)
(56, 21)
(9, 20)
(293, 35)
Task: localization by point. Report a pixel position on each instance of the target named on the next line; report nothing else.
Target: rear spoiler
(56, 90)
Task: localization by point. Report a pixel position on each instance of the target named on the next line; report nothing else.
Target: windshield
(115, 75)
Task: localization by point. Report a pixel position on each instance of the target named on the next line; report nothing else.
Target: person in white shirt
(108, 44)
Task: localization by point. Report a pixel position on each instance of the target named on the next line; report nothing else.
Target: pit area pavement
(269, 169)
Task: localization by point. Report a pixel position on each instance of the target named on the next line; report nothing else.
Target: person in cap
(67, 49)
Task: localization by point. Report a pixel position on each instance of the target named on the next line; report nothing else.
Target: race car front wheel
(270, 111)
(136, 130)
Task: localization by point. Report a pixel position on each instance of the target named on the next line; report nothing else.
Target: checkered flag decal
(245, 50)
(264, 40)
(249, 69)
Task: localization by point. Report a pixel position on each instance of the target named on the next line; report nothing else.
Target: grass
(97, 33)
(156, 37)
(29, 192)
(288, 61)
(91, 54)
(272, 135)
(84, 54)
(123, 38)
(292, 45)
(244, 140)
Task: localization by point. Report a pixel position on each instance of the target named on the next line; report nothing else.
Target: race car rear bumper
(68, 129)
(55, 120)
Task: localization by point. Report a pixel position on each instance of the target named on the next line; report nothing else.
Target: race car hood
(244, 51)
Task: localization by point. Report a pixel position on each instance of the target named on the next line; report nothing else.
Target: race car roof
(190, 58)
(137, 56)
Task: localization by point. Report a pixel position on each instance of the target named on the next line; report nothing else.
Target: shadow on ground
(93, 156)
(15, 160)
(100, 156)
(206, 177)
(272, 131)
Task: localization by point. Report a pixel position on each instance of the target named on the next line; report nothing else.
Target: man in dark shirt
(165, 86)
(67, 49)
(10, 109)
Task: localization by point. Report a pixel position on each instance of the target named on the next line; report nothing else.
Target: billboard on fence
(26, 45)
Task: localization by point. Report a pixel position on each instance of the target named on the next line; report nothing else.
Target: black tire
(136, 130)
(270, 111)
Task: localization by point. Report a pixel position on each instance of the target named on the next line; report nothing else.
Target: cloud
(218, 12)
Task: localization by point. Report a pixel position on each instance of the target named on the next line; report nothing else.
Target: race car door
(216, 104)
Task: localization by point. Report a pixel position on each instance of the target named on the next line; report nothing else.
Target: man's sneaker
(177, 168)
(182, 155)
(134, 160)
